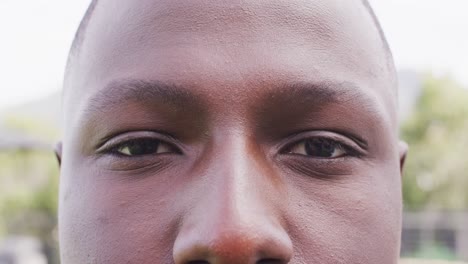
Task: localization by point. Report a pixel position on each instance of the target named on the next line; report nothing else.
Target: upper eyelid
(343, 140)
(336, 135)
(356, 144)
(122, 138)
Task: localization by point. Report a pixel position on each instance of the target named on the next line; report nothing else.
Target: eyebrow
(320, 94)
(298, 104)
(123, 91)
(311, 94)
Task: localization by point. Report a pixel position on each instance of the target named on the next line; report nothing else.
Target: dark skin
(227, 132)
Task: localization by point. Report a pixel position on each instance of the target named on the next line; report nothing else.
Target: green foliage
(436, 172)
(29, 182)
(29, 186)
(434, 251)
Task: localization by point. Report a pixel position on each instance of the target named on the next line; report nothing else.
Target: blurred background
(429, 39)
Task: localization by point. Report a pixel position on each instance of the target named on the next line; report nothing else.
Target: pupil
(143, 147)
(319, 147)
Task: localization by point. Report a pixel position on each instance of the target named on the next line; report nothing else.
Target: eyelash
(350, 151)
(112, 146)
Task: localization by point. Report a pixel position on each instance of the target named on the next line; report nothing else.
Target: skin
(226, 95)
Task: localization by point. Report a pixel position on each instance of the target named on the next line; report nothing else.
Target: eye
(141, 147)
(319, 147)
(140, 143)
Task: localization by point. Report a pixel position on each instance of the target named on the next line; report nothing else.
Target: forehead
(218, 45)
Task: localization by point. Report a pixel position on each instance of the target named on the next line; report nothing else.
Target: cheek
(106, 219)
(354, 222)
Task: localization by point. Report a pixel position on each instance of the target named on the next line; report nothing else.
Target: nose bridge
(233, 222)
(237, 175)
(234, 200)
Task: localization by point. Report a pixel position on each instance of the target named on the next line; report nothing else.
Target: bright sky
(36, 35)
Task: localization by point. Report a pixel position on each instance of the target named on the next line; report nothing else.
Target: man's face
(230, 132)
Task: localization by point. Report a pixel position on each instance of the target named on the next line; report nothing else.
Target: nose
(235, 219)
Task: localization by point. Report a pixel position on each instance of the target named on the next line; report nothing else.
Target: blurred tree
(434, 251)
(29, 184)
(436, 173)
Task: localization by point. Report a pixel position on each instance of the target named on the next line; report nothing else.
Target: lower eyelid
(319, 168)
(137, 165)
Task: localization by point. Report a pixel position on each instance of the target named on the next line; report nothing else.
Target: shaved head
(81, 32)
(79, 36)
(228, 132)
